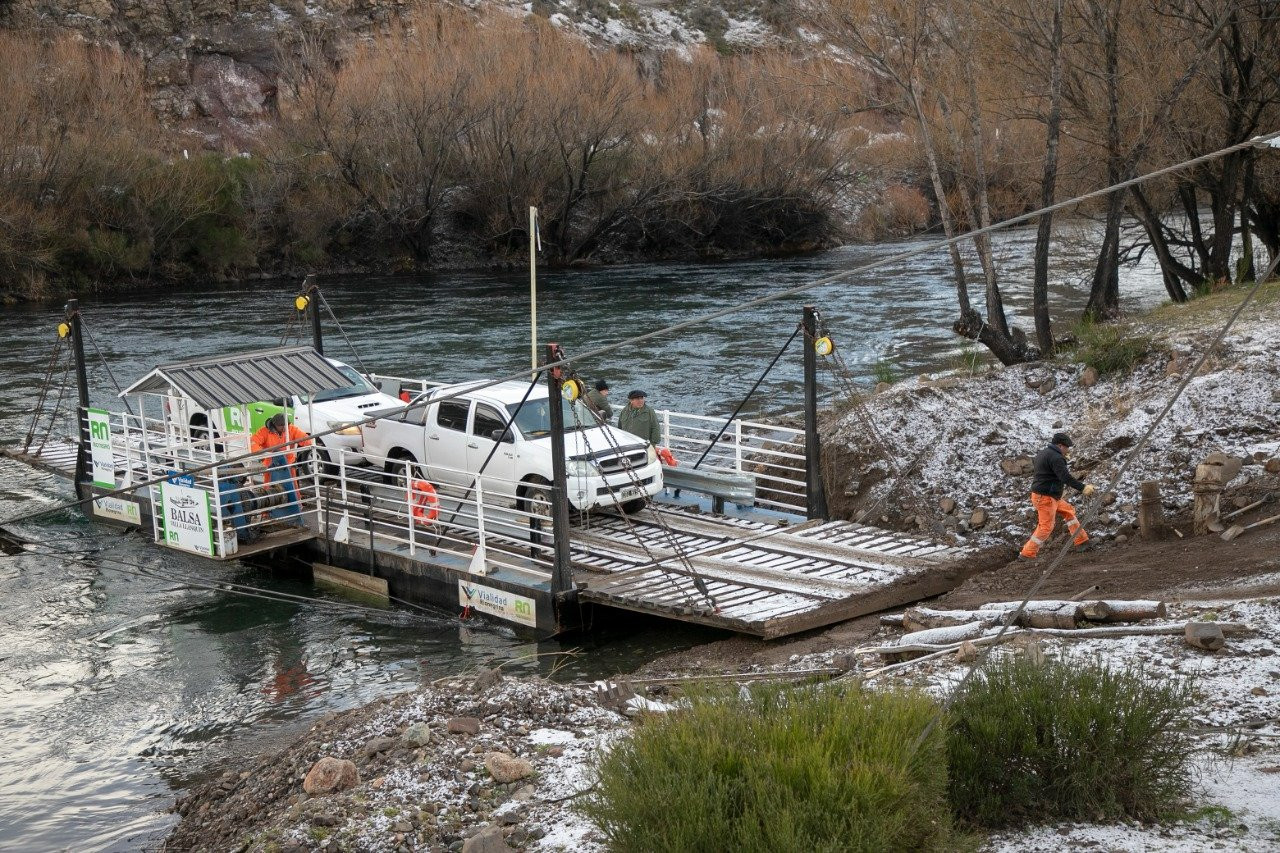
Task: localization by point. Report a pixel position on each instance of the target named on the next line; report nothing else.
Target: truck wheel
(199, 431)
(327, 465)
(400, 469)
(537, 503)
(634, 506)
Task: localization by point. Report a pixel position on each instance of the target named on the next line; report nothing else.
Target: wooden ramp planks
(756, 578)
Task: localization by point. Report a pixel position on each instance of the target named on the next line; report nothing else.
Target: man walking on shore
(1051, 476)
(640, 420)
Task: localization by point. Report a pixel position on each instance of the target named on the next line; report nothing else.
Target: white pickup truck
(337, 408)
(448, 441)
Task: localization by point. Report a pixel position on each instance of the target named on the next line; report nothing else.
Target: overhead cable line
(1270, 139)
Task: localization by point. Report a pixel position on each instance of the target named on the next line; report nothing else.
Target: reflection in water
(116, 688)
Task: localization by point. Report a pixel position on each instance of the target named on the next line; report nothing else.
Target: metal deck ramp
(756, 577)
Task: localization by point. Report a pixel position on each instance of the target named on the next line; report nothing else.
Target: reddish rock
(330, 774)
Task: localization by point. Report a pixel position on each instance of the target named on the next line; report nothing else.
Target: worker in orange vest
(1051, 476)
(275, 432)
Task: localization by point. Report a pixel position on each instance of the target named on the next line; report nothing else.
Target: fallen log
(922, 618)
(1105, 610)
(892, 620)
(1134, 611)
(945, 635)
(1101, 632)
(1051, 614)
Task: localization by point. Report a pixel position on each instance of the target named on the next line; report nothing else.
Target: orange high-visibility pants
(1047, 510)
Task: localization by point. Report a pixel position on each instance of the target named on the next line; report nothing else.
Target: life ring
(668, 458)
(426, 504)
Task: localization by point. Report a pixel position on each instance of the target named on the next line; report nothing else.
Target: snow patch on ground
(960, 429)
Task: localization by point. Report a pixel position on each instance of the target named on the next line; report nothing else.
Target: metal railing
(772, 455)
(485, 524)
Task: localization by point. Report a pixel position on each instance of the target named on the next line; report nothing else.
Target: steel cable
(860, 269)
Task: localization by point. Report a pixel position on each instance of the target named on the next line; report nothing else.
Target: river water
(117, 689)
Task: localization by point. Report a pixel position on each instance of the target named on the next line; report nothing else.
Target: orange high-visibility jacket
(265, 439)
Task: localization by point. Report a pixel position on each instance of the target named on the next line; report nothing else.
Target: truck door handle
(473, 445)
(434, 437)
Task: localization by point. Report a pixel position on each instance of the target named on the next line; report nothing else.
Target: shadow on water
(116, 688)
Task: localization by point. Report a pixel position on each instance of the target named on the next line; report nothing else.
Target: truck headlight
(580, 468)
(343, 428)
(652, 453)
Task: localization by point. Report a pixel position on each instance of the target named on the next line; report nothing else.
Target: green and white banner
(104, 463)
(498, 602)
(186, 524)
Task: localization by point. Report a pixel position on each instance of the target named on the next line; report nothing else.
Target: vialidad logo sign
(498, 602)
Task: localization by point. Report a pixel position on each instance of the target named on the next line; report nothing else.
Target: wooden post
(561, 569)
(1151, 523)
(815, 491)
(1208, 494)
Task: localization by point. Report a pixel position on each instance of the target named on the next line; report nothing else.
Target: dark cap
(276, 422)
(1063, 439)
(637, 395)
(601, 385)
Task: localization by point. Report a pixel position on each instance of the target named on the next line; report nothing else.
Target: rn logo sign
(498, 602)
(186, 519)
(104, 463)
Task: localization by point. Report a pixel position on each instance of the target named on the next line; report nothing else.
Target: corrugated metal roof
(245, 377)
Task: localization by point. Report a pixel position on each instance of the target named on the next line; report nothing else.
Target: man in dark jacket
(640, 420)
(598, 401)
(1050, 476)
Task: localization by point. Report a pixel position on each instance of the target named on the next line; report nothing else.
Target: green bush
(807, 769)
(1111, 348)
(1067, 740)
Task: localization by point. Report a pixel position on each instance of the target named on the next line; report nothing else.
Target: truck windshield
(534, 417)
(358, 387)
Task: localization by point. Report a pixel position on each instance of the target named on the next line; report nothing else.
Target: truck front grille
(619, 462)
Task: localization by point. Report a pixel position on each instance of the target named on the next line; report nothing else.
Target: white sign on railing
(104, 462)
(186, 524)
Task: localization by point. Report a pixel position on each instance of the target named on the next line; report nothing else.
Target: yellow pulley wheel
(824, 346)
(301, 303)
(63, 330)
(571, 390)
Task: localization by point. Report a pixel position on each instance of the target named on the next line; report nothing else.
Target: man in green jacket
(598, 402)
(640, 420)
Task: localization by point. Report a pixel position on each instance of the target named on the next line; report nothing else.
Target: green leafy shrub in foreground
(1067, 740)
(808, 769)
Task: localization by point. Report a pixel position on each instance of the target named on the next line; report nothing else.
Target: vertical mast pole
(313, 297)
(533, 289)
(561, 571)
(82, 391)
(815, 492)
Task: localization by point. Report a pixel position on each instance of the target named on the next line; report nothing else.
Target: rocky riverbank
(476, 764)
(951, 455)
(490, 764)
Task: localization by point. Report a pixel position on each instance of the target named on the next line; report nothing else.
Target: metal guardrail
(773, 456)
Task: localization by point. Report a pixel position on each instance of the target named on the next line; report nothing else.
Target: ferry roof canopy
(245, 377)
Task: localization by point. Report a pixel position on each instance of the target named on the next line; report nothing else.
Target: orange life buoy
(668, 458)
(426, 504)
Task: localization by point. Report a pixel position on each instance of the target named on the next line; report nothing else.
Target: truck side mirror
(503, 435)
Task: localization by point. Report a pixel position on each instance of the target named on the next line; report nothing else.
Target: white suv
(449, 440)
